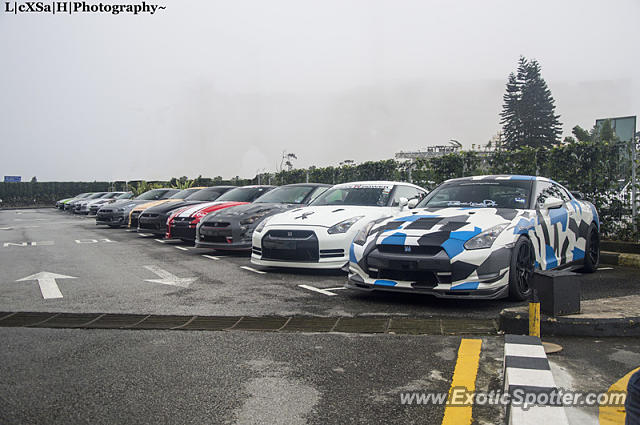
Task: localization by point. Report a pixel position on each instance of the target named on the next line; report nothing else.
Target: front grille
(290, 245)
(182, 219)
(331, 253)
(150, 225)
(216, 224)
(420, 278)
(213, 239)
(410, 249)
(291, 234)
(256, 250)
(183, 233)
(107, 211)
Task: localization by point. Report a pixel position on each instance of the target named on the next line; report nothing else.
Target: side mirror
(412, 203)
(403, 202)
(551, 203)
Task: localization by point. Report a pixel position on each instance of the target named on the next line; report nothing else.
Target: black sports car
(117, 214)
(232, 228)
(154, 219)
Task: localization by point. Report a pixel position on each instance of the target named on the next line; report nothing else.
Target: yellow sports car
(177, 197)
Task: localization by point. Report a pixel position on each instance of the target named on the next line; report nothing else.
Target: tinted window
(152, 194)
(210, 194)
(480, 193)
(545, 190)
(97, 195)
(244, 194)
(184, 193)
(112, 195)
(365, 195)
(125, 196)
(408, 192)
(287, 195)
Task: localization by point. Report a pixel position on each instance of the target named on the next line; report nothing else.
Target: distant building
(430, 152)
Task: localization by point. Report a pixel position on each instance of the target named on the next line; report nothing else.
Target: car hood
(328, 215)
(240, 212)
(170, 206)
(205, 207)
(149, 204)
(439, 224)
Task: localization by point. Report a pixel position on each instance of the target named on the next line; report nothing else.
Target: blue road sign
(12, 179)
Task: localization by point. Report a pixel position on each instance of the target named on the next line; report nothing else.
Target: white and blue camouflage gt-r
(478, 237)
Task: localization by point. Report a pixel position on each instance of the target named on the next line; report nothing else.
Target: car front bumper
(183, 230)
(153, 223)
(300, 247)
(433, 273)
(224, 236)
(110, 219)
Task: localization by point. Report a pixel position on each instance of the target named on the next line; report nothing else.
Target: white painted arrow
(47, 282)
(167, 278)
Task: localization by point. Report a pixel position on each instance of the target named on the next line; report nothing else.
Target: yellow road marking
(614, 415)
(464, 376)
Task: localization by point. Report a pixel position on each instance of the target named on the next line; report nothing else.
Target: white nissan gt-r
(318, 236)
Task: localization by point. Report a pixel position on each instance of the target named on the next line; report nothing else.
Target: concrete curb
(358, 324)
(620, 259)
(527, 372)
(618, 316)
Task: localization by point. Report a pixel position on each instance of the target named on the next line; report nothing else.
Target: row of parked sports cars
(478, 237)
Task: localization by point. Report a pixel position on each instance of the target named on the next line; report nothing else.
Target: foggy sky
(223, 87)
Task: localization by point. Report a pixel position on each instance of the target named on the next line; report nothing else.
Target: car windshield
(287, 195)
(184, 193)
(244, 194)
(209, 194)
(151, 195)
(124, 196)
(111, 195)
(512, 194)
(364, 195)
(97, 195)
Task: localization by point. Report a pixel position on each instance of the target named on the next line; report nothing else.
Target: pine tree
(528, 115)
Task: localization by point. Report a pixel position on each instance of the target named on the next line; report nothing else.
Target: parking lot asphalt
(340, 375)
(115, 376)
(119, 271)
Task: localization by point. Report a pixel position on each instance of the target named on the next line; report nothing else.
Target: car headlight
(361, 236)
(343, 226)
(252, 219)
(486, 238)
(262, 224)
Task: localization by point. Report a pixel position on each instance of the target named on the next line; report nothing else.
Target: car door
(553, 224)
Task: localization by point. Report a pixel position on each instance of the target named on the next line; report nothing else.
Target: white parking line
(322, 291)
(159, 240)
(181, 248)
(144, 235)
(131, 230)
(211, 257)
(605, 268)
(251, 269)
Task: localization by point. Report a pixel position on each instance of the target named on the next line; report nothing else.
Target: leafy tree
(34, 179)
(528, 114)
(581, 134)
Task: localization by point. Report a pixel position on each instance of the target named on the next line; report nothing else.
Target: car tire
(591, 251)
(521, 269)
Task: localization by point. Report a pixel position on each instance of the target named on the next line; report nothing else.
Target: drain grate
(359, 324)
